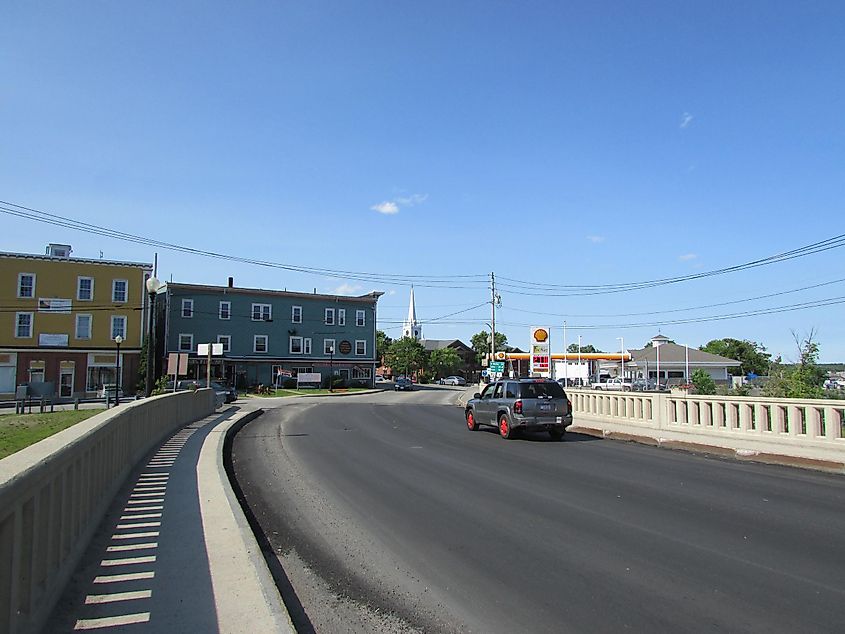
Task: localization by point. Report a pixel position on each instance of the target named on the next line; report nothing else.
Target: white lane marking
(158, 500)
(142, 508)
(112, 621)
(135, 535)
(131, 576)
(121, 549)
(128, 561)
(137, 525)
(93, 599)
(140, 516)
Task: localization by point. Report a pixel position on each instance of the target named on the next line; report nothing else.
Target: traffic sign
(497, 366)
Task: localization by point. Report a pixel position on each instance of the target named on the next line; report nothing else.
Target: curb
(743, 455)
(247, 598)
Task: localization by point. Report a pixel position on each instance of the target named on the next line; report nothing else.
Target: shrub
(289, 384)
(703, 382)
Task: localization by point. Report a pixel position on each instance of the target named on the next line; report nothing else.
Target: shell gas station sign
(541, 351)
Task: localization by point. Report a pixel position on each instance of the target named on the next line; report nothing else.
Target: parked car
(516, 405)
(380, 379)
(616, 384)
(643, 385)
(453, 380)
(403, 384)
(229, 393)
(109, 389)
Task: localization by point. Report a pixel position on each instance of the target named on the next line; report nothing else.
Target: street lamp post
(622, 344)
(153, 286)
(117, 340)
(686, 364)
(331, 367)
(580, 380)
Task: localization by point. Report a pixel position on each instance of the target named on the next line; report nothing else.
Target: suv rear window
(550, 389)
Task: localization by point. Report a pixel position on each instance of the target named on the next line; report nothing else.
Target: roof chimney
(231, 282)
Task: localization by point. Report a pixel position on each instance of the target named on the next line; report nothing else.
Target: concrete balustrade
(808, 429)
(54, 494)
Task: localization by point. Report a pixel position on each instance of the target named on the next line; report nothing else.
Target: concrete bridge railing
(54, 494)
(811, 429)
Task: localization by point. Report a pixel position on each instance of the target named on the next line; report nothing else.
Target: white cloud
(391, 207)
(687, 257)
(387, 207)
(686, 119)
(595, 239)
(345, 289)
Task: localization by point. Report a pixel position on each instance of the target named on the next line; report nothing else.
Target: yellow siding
(57, 279)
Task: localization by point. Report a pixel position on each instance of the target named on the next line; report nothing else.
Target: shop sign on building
(541, 351)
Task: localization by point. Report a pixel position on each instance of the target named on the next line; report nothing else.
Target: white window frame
(90, 326)
(115, 319)
(304, 370)
(361, 318)
(228, 306)
(255, 339)
(297, 340)
(296, 314)
(328, 317)
(79, 297)
(20, 279)
(226, 340)
(189, 304)
(341, 316)
(261, 312)
(114, 292)
(18, 323)
(361, 354)
(327, 343)
(190, 347)
(306, 345)
(361, 374)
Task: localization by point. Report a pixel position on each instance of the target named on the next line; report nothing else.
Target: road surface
(388, 515)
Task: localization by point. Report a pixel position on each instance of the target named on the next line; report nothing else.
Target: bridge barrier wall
(54, 494)
(810, 429)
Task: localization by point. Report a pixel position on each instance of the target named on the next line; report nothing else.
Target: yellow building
(59, 317)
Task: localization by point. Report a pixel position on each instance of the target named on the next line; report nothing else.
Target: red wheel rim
(503, 426)
(470, 421)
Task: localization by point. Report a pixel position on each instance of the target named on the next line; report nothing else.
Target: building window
(85, 289)
(118, 327)
(341, 316)
(262, 312)
(259, 343)
(360, 318)
(26, 285)
(360, 373)
(296, 345)
(186, 343)
(226, 340)
(296, 371)
(187, 308)
(328, 346)
(360, 347)
(83, 326)
(296, 314)
(225, 311)
(119, 290)
(306, 345)
(23, 325)
(329, 319)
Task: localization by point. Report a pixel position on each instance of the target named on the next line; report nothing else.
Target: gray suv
(515, 405)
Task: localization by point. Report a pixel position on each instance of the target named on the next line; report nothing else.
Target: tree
(480, 342)
(805, 379)
(573, 348)
(703, 382)
(405, 355)
(751, 355)
(444, 362)
(382, 344)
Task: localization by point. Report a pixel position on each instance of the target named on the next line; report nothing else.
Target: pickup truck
(617, 384)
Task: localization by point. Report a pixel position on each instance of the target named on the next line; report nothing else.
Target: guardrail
(54, 494)
(811, 428)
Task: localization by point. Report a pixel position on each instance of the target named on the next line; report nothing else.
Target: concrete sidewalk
(175, 552)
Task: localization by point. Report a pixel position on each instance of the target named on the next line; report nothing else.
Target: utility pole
(493, 321)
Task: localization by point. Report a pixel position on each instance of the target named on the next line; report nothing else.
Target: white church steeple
(411, 328)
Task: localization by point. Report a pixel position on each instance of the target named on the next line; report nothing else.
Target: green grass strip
(18, 431)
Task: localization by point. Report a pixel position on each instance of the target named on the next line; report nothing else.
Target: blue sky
(557, 143)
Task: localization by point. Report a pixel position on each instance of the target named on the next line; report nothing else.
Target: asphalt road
(388, 515)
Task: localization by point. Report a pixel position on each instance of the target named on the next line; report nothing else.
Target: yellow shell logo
(501, 356)
(541, 335)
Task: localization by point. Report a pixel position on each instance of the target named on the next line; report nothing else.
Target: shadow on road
(541, 436)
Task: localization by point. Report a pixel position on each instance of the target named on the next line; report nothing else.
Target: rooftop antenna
(101, 255)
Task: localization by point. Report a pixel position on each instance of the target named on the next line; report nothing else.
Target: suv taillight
(517, 407)
(569, 404)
